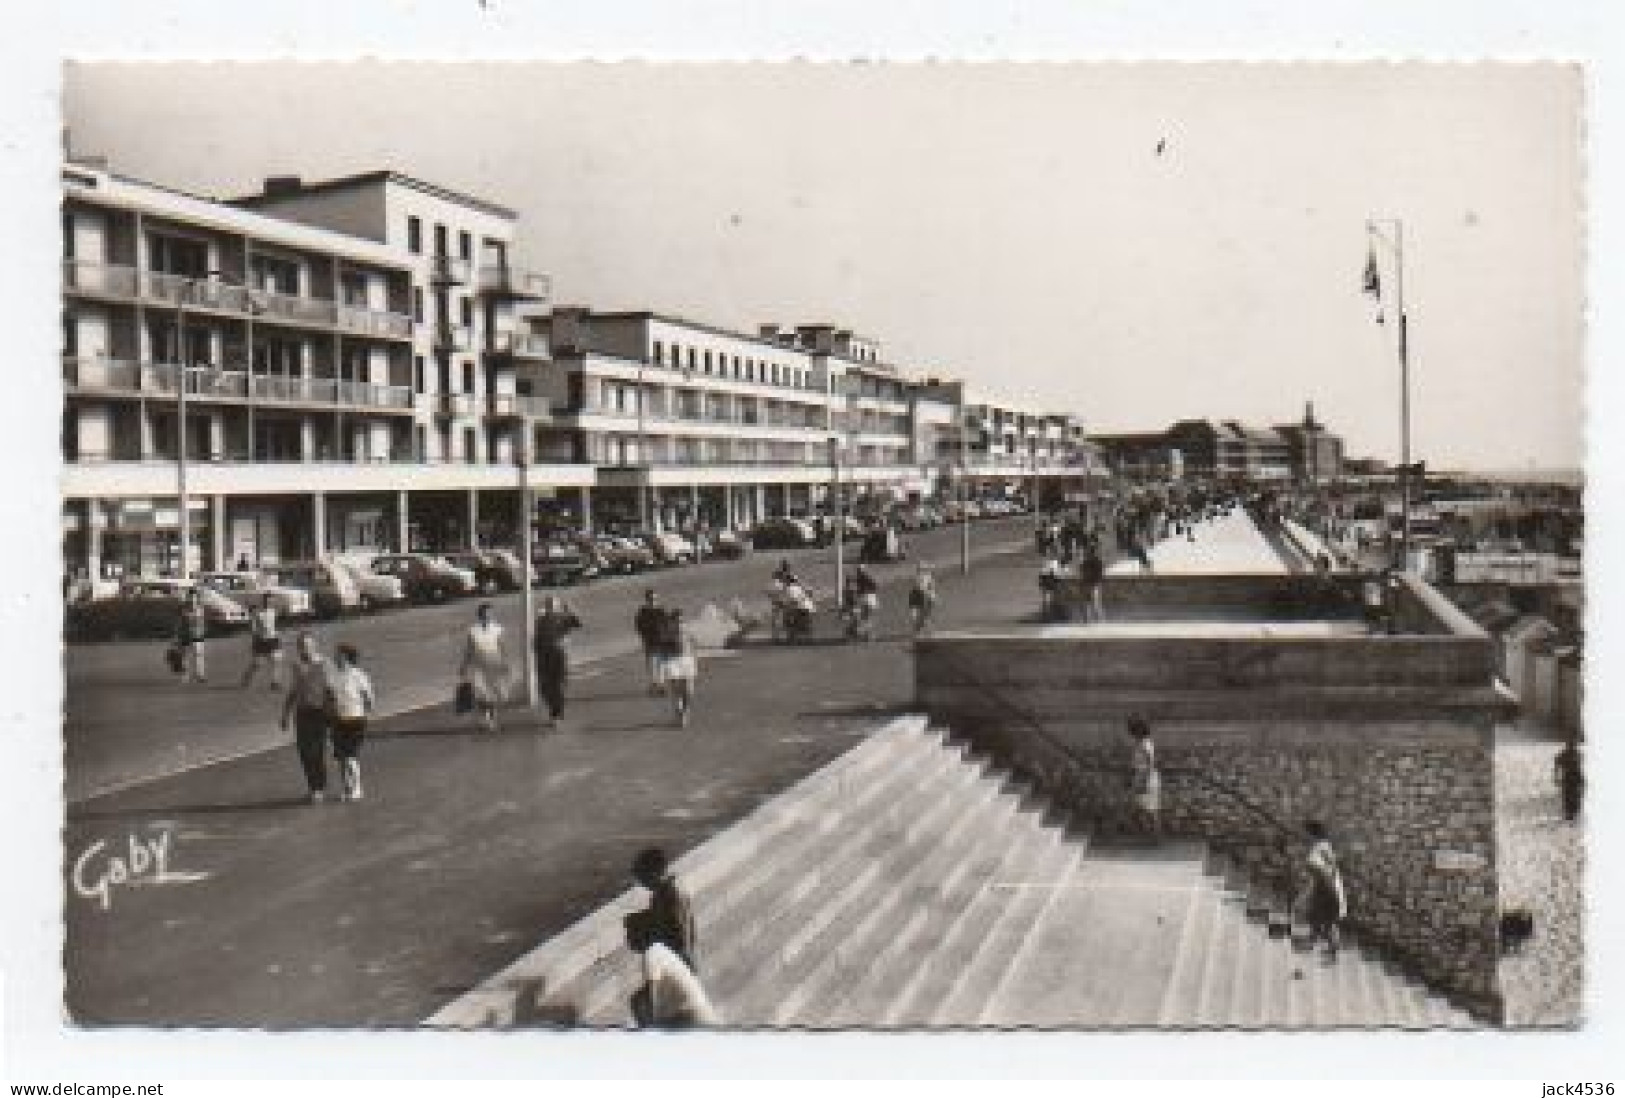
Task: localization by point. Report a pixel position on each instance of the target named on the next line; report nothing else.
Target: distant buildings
(1228, 450)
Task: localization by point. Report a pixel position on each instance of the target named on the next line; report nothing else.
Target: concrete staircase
(910, 885)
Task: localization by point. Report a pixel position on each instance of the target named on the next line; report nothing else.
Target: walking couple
(485, 675)
(328, 701)
(669, 649)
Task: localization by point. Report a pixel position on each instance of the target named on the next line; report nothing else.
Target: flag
(1373, 280)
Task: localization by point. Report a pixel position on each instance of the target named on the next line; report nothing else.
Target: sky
(1012, 224)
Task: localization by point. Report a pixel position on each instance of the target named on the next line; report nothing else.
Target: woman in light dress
(1145, 783)
(485, 667)
(1323, 902)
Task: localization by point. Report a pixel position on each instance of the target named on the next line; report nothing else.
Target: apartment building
(345, 390)
(1229, 449)
(367, 366)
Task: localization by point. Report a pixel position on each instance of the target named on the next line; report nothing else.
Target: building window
(693, 358)
(708, 362)
(468, 378)
(414, 237)
(67, 235)
(465, 247)
(417, 375)
(70, 335)
(417, 304)
(471, 445)
(440, 240)
(468, 313)
(659, 356)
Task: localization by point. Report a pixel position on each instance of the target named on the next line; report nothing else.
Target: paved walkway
(1541, 863)
(468, 848)
(1228, 545)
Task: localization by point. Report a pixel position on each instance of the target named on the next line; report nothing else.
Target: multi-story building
(363, 371)
(1228, 449)
(313, 423)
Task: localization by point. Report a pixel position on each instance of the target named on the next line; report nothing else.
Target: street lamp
(964, 487)
(840, 514)
(527, 511)
(644, 470)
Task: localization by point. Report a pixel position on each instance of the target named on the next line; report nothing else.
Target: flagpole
(1398, 246)
(1404, 397)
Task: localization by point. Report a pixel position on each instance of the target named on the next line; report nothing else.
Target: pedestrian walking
(646, 623)
(668, 904)
(192, 636)
(306, 707)
(677, 667)
(550, 648)
(1569, 769)
(866, 609)
(1049, 590)
(1137, 546)
(1091, 578)
(1145, 783)
(350, 702)
(671, 996)
(264, 644)
(484, 667)
(922, 598)
(1323, 902)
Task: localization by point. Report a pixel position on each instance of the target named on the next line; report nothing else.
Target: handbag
(463, 700)
(174, 659)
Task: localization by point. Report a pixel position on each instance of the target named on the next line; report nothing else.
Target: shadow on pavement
(163, 811)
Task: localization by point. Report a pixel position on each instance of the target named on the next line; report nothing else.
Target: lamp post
(964, 487)
(181, 496)
(527, 511)
(644, 470)
(840, 514)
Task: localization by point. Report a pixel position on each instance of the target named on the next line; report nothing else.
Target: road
(128, 721)
(215, 896)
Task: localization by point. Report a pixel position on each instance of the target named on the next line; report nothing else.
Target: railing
(110, 279)
(503, 281)
(516, 405)
(195, 292)
(449, 269)
(356, 318)
(313, 390)
(522, 343)
(453, 337)
(456, 405)
(204, 381)
(116, 375)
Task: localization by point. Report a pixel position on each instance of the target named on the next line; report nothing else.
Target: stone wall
(1388, 742)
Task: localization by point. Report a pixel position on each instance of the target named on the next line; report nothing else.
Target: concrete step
(974, 997)
(868, 999)
(853, 941)
(941, 970)
(586, 952)
(1184, 994)
(809, 938)
(814, 851)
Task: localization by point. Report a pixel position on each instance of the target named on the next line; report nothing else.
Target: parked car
(562, 563)
(670, 549)
(331, 589)
(250, 589)
(149, 608)
(491, 574)
(423, 577)
(510, 570)
(881, 545)
(373, 590)
(783, 533)
(624, 555)
(729, 545)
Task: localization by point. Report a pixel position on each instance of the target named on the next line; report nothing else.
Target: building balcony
(453, 337)
(520, 345)
(519, 406)
(329, 391)
(448, 270)
(207, 383)
(455, 405)
(209, 295)
(515, 285)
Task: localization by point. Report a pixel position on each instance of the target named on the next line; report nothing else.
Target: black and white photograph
(806, 546)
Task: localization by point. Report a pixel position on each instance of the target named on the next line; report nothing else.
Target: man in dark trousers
(1571, 781)
(646, 623)
(668, 907)
(553, 628)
